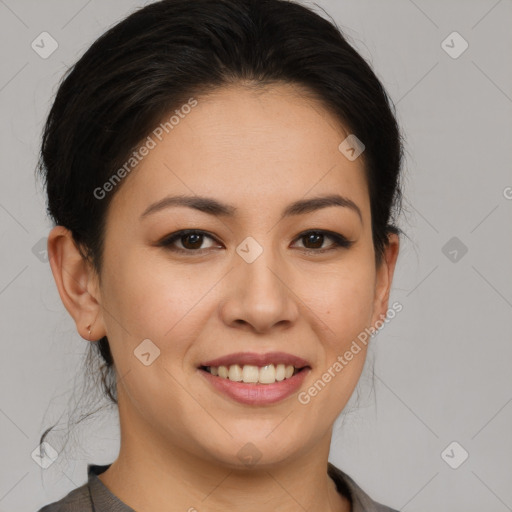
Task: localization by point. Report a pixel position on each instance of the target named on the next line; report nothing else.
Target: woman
(222, 176)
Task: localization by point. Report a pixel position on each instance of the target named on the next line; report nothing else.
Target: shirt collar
(360, 501)
(101, 497)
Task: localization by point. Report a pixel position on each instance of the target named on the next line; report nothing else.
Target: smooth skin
(259, 151)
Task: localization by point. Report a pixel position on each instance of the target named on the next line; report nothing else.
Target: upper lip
(256, 359)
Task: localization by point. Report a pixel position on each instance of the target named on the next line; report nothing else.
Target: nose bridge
(259, 266)
(260, 296)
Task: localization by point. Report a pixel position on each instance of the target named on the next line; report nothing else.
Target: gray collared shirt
(94, 496)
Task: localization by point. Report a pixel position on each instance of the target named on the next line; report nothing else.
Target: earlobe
(76, 282)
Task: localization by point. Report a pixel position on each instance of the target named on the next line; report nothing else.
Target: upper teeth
(249, 373)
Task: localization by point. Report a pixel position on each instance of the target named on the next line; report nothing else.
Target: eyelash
(339, 241)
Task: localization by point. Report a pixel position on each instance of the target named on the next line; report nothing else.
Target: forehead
(264, 147)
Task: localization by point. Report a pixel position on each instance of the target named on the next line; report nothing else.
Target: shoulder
(78, 500)
(361, 501)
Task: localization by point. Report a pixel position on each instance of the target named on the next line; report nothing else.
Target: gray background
(442, 366)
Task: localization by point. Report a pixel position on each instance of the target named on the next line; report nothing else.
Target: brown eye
(190, 240)
(193, 239)
(314, 240)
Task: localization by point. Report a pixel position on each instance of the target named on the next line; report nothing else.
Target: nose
(260, 296)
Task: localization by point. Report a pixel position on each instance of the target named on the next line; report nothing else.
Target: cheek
(342, 299)
(152, 299)
(147, 301)
(343, 305)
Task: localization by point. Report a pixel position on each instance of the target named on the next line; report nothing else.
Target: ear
(384, 278)
(77, 283)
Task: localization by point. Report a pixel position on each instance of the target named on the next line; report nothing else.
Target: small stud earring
(89, 329)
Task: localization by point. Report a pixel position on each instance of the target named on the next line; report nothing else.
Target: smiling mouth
(251, 374)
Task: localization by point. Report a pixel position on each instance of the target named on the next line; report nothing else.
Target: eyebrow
(213, 207)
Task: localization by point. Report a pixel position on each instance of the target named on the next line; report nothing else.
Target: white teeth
(266, 374)
(235, 373)
(280, 372)
(252, 374)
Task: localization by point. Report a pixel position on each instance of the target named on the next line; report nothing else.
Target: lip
(256, 394)
(256, 359)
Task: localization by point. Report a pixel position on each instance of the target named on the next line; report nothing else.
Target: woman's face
(247, 285)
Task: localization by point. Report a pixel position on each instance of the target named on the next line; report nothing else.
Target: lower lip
(257, 394)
